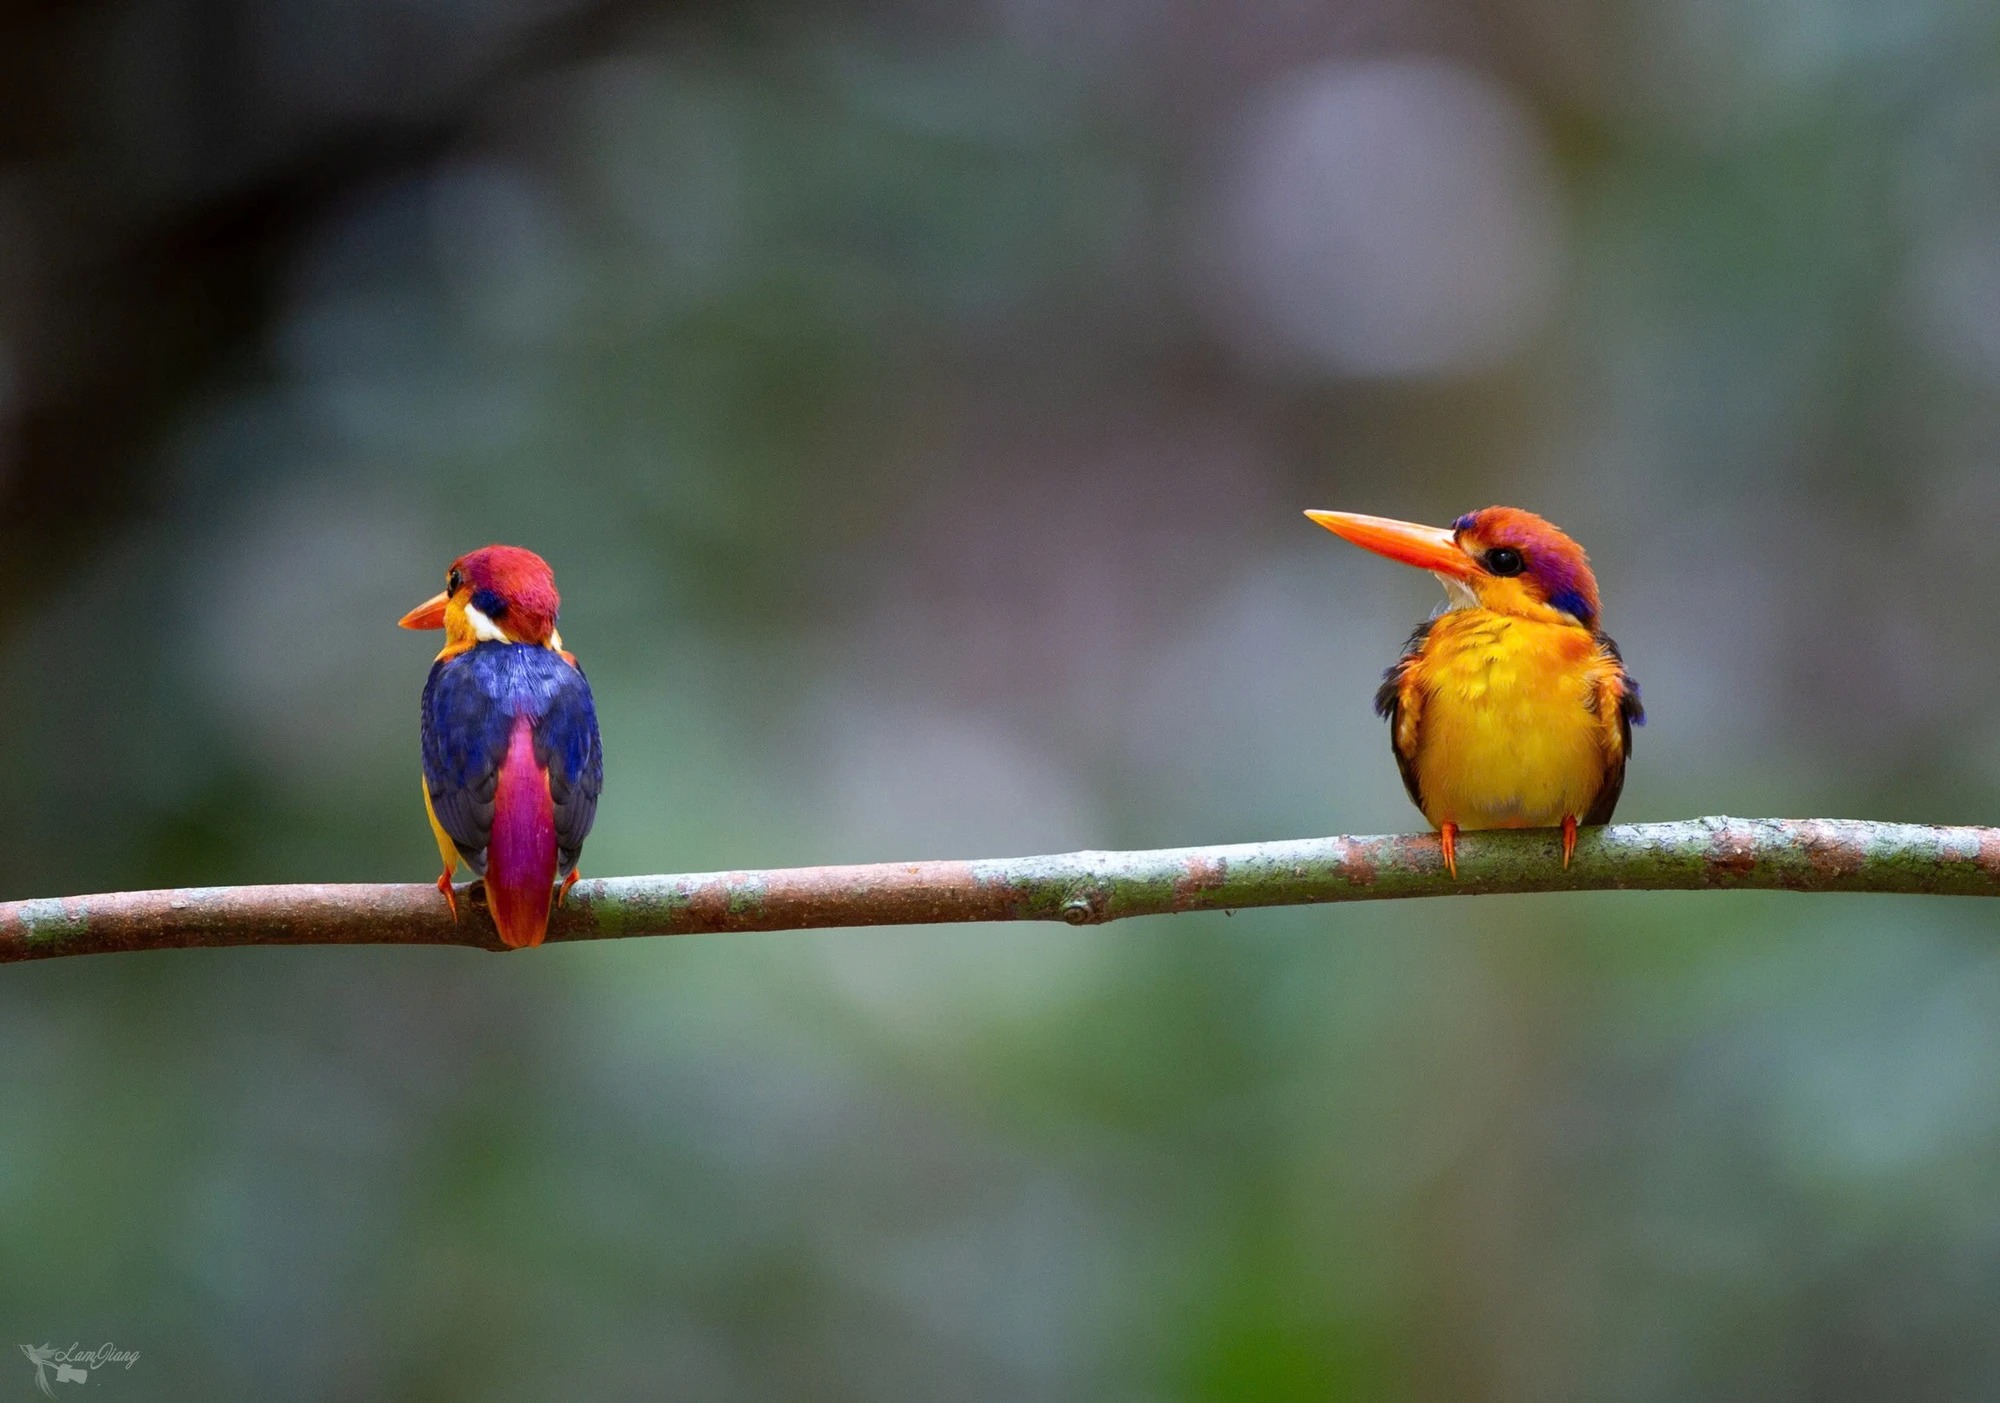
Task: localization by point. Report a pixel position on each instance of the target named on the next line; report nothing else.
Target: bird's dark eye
(453, 582)
(1504, 560)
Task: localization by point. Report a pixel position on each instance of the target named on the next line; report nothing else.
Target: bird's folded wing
(567, 744)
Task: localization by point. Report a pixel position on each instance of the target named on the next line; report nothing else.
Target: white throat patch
(1458, 594)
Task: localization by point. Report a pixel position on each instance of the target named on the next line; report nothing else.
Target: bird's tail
(521, 854)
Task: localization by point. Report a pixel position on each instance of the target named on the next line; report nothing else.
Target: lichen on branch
(1084, 888)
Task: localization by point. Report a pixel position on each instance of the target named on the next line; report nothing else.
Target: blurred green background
(916, 400)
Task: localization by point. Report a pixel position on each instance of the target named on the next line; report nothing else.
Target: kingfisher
(1510, 707)
(512, 760)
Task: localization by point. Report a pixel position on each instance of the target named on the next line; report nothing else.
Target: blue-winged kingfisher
(512, 760)
(1510, 708)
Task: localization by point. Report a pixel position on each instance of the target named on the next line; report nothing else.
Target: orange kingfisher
(512, 762)
(1508, 708)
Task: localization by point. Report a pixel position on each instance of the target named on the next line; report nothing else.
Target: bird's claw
(1448, 840)
(450, 896)
(1569, 839)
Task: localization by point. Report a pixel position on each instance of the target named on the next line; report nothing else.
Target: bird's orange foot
(1448, 840)
(567, 883)
(450, 896)
(1569, 839)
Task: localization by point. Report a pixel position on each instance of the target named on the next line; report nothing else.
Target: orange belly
(1511, 732)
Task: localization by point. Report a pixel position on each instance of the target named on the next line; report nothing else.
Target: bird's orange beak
(1427, 547)
(429, 614)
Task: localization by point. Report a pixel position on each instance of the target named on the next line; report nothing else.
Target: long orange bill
(1426, 547)
(429, 614)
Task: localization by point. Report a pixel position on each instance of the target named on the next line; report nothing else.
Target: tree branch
(1086, 888)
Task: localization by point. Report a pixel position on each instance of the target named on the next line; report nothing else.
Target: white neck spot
(483, 628)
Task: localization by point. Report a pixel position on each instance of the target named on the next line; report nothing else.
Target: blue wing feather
(567, 746)
(469, 705)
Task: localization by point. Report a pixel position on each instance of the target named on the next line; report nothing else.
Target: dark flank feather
(470, 703)
(1389, 706)
(1631, 712)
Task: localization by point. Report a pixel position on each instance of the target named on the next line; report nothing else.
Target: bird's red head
(1499, 558)
(502, 594)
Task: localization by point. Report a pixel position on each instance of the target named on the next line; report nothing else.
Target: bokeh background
(917, 400)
